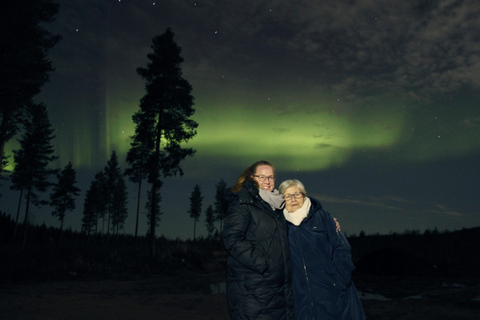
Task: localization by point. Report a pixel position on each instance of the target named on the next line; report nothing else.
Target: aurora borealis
(373, 105)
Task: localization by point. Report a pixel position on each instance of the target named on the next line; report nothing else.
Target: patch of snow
(454, 285)
(372, 296)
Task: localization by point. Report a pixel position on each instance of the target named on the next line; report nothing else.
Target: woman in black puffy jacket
(259, 284)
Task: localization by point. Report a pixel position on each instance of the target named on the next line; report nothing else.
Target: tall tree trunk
(194, 227)
(62, 217)
(155, 186)
(103, 224)
(25, 221)
(108, 223)
(18, 216)
(153, 217)
(152, 221)
(61, 228)
(138, 214)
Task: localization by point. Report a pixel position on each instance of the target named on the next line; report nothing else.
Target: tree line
(105, 205)
(162, 125)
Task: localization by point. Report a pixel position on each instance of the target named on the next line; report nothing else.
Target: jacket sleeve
(235, 239)
(341, 253)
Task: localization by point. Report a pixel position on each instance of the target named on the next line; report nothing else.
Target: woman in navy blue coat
(321, 260)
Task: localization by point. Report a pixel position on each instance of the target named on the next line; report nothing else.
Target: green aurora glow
(304, 139)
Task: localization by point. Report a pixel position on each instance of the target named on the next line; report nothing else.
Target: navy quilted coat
(259, 284)
(322, 269)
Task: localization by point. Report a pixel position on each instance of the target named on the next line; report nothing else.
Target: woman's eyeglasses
(263, 178)
(297, 196)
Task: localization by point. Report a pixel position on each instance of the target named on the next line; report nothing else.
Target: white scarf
(298, 215)
(274, 198)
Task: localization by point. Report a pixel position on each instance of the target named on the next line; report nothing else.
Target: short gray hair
(290, 183)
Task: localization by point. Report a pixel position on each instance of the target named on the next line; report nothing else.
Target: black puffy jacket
(259, 283)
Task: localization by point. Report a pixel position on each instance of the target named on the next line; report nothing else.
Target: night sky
(374, 105)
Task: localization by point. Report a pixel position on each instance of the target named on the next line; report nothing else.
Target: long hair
(248, 173)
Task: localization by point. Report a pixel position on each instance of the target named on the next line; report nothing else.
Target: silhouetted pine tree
(115, 193)
(210, 220)
(90, 216)
(195, 206)
(64, 191)
(24, 67)
(220, 205)
(163, 123)
(120, 200)
(95, 204)
(31, 171)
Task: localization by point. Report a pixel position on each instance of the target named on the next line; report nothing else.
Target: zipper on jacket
(307, 280)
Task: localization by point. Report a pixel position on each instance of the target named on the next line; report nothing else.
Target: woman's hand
(337, 224)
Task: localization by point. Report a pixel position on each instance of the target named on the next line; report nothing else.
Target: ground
(189, 296)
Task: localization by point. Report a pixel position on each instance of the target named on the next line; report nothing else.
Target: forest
(92, 257)
(162, 126)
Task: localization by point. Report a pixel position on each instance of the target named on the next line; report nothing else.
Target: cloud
(382, 203)
(444, 210)
(414, 48)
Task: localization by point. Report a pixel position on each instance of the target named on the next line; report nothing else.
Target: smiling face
(295, 198)
(266, 174)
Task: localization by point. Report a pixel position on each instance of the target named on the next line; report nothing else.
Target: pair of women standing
(263, 258)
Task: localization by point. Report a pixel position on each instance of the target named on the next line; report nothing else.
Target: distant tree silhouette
(210, 220)
(90, 217)
(24, 66)
(101, 179)
(31, 171)
(195, 207)
(116, 194)
(95, 204)
(220, 205)
(64, 191)
(163, 123)
(120, 201)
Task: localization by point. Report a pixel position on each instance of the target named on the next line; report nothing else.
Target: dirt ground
(189, 297)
